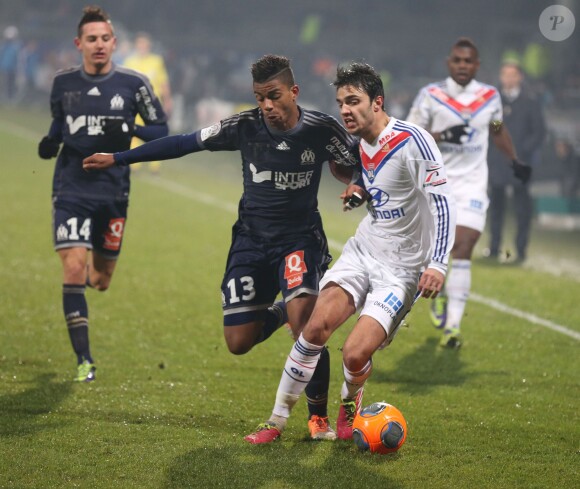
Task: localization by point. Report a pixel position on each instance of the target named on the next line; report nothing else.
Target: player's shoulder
(315, 118)
(131, 74)
(422, 139)
(479, 85)
(410, 128)
(435, 86)
(66, 73)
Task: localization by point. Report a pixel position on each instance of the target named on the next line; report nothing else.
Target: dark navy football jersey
(281, 169)
(84, 104)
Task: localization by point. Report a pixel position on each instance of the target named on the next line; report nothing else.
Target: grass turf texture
(170, 405)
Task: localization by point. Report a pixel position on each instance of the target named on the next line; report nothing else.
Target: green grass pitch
(170, 405)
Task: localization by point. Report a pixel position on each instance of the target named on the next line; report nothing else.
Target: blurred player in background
(93, 106)
(153, 67)
(278, 243)
(524, 119)
(400, 250)
(461, 113)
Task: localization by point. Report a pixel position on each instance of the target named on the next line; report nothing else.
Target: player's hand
(431, 283)
(48, 148)
(453, 134)
(354, 196)
(98, 161)
(522, 171)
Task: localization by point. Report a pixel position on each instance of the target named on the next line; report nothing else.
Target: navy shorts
(256, 271)
(89, 224)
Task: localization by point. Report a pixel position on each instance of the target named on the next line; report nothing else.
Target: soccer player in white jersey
(460, 113)
(398, 253)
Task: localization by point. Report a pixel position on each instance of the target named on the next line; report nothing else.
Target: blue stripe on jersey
(422, 143)
(484, 105)
(442, 235)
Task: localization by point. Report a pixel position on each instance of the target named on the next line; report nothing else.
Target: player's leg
(72, 228)
(365, 338)
(301, 268)
(109, 221)
(389, 300)
(458, 284)
(299, 311)
(75, 308)
(249, 288)
(333, 307)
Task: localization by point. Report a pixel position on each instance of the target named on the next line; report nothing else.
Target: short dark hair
(362, 76)
(272, 66)
(93, 13)
(466, 42)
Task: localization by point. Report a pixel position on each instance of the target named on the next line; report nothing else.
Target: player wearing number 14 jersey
(93, 106)
(278, 243)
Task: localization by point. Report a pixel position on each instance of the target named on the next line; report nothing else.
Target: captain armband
(496, 125)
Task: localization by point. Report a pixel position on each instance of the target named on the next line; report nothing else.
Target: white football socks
(298, 371)
(355, 381)
(457, 287)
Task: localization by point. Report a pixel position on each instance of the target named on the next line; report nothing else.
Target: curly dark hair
(362, 76)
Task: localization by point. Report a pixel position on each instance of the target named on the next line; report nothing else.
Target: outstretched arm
(165, 148)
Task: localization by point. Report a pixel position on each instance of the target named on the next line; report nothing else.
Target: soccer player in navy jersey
(400, 250)
(278, 242)
(93, 106)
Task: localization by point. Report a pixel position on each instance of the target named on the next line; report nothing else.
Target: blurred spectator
(151, 65)
(569, 163)
(9, 52)
(523, 117)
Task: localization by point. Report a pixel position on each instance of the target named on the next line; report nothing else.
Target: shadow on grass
(426, 368)
(279, 464)
(21, 411)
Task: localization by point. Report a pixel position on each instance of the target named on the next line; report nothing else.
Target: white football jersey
(442, 105)
(411, 219)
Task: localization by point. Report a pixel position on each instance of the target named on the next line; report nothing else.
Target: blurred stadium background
(209, 45)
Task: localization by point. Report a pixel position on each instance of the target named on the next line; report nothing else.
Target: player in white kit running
(460, 113)
(399, 252)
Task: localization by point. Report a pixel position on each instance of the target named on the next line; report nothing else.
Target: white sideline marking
(532, 318)
(337, 246)
(26, 133)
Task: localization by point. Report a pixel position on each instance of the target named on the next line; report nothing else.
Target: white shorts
(471, 203)
(383, 291)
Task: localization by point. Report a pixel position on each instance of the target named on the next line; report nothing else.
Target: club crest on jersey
(117, 102)
(308, 157)
(295, 269)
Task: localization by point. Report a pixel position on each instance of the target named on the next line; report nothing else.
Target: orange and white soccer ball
(379, 428)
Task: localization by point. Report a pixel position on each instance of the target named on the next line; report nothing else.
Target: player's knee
(316, 332)
(239, 341)
(239, 346)
(354, 360)
(74, 271)
(100, 282)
